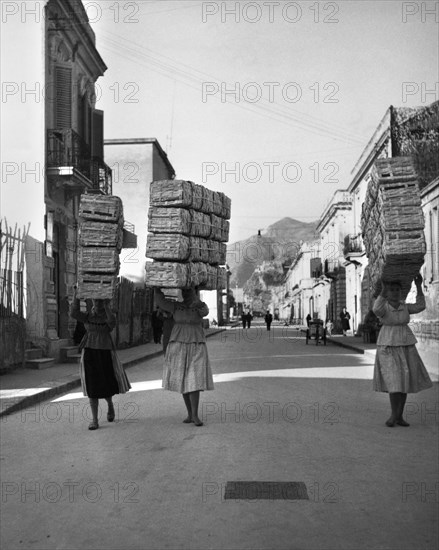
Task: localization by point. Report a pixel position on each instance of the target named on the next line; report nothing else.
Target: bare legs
(94, 405)
(397, 403)
(191, 400)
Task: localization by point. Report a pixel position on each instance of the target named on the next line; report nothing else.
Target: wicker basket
(93, 286)
(169, 220)
(174, 193)
(200, 224)
(100, 234)
(216, 231)
(225, 227)
(227, 206)
(211, 279)
(168, 246)
(167, 274)
(98, 260)
(104, 208)
(199, 250)
(395, 168)
(197, 274)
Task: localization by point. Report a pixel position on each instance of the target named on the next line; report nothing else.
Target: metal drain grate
(265, 490)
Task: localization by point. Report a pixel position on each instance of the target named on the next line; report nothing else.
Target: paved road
(281, 411)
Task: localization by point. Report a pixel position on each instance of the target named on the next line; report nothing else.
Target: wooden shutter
(98, 134)
(63, 109)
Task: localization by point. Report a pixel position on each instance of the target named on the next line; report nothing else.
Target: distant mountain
(281, 241)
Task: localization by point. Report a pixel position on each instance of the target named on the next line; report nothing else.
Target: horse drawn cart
(316, 331)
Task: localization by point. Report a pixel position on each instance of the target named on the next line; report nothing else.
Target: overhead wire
(193, 80)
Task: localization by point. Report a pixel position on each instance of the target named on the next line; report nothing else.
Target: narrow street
(281, 411)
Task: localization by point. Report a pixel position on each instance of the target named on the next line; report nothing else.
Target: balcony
(101, 176)
(70, 165)
(353, 247)
(331, 268)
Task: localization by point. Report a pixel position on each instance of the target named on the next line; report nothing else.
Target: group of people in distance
(398, 370)
(246, 319)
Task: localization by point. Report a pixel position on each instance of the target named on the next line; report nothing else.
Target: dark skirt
(100, 380)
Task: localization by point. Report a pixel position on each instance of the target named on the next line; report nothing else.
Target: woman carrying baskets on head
(399, 369)
(187, 368)
(102, 374)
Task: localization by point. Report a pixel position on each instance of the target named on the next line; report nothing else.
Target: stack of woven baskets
(392, 223)
(189, 228)
(100, 242)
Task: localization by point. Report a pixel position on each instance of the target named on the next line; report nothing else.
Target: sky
(270, 102)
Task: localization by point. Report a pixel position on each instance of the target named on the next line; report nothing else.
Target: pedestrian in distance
(345, 325)
(398, 367)
(187, 368)
(249, 319)
(308, 319)
(157, 325)
(101, 372)
(268, 319)
(244, 319)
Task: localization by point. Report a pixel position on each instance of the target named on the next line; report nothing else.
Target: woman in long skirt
(102, 374)
(187, 368)
(399, 369)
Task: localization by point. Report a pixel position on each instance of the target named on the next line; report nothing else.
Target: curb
(344, 345)
(17, 403)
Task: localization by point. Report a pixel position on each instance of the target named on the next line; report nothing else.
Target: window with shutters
(63, 104)
(98, 134)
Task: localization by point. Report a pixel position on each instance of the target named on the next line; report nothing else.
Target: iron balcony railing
(65, 147)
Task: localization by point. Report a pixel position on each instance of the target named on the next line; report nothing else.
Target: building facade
(53, 143)
(135, 163)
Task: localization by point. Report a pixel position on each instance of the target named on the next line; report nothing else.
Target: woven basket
(174, 193)
(225, 227)
(211, 279)
(105, 208)
(227, 206)
(197, 274)
(100, 234)
(200, 224)
(394, 168)
(98, 260)
(222, 249)
(402, 218)
(92, 286)
(169, 220)
(216, 231)
(207, 206)
(199, 250)
(167, 274)
(168, 246)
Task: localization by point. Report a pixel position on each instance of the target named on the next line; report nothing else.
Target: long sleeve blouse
(188, 325)
(98, 326)
(395, 330)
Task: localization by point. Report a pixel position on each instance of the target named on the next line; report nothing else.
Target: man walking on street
(268, 319)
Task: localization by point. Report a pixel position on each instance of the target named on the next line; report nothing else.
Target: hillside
(280, 241)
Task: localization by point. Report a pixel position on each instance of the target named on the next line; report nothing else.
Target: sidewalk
(24, 387)
(429, 351)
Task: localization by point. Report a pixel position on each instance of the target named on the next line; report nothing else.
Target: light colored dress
(398, 366)
(187, 367)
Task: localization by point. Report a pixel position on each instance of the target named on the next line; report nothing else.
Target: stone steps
(40, 363)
